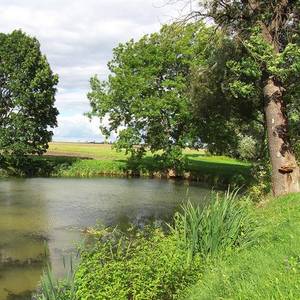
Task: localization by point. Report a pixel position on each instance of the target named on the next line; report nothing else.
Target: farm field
(106, 152)
(90, 160)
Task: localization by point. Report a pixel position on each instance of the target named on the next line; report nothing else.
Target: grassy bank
(270, 269)
(91, 160)
(231, 250)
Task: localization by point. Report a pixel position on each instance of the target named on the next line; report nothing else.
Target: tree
(222, 119)
(27, 96)
(259, 78)
(147, 94)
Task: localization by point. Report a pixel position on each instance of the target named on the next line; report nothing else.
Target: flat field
(106, 152)
(85, 150)
(87, 160)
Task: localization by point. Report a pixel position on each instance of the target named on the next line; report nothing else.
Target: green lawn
(269, 270)
(105, 152)
(94, 151)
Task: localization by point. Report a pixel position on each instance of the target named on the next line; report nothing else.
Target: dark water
(38, 215)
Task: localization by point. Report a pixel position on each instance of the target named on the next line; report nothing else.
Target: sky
(77, 37)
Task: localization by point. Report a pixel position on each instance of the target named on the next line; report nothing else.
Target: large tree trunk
(285, 171)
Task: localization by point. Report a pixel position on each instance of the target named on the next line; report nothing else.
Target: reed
(225, 223)
(54, 289)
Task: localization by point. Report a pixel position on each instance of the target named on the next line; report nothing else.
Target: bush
(247, 148)
(262, 183)
(174, 160)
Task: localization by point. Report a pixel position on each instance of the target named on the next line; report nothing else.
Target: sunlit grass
(269, 270)
(96, 151)
(106, 152)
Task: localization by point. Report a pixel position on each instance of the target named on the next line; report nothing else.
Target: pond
(48, 215)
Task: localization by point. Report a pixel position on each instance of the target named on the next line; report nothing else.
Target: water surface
(49, 215)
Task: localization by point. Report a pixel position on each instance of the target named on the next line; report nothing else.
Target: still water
(42, 214)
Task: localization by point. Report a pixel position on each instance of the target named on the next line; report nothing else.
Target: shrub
(174, 159)
(247, 148)
(262, 183)
(150, 264)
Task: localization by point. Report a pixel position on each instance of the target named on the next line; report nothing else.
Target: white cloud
(72, 102)
(78, 37)
(80, 128)
(77, 128)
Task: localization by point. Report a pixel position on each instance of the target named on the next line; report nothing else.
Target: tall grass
(54, 289)
(225, 223)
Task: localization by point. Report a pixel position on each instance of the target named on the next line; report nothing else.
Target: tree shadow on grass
(197, 155)
(215, 173)
(210, 172)
(218, 167)
(145, 165)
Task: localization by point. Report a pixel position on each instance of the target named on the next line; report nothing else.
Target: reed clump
(227, 222)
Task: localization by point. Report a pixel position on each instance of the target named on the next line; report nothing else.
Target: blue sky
(78, 37)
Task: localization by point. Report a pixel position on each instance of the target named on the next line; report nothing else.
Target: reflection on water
(48, 215)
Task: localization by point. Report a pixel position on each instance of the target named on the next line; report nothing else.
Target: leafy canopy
(260, 38)
(147, 94)
(27, 96)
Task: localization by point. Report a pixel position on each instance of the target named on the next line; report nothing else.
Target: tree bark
(285, 170)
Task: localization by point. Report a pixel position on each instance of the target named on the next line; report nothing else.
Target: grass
(52, 289)
(83, 150)
(269, 270)
(90, 160)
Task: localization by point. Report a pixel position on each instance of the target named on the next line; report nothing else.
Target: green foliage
(147, 94)
(27, 91)
(172, 159)
(138, 265)
(225, 106)
(228, 87)
(247, 148)
(88, 160)
(224, 224)
(90, 168)
(213, 170)
(150, 264)
(261, 186)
